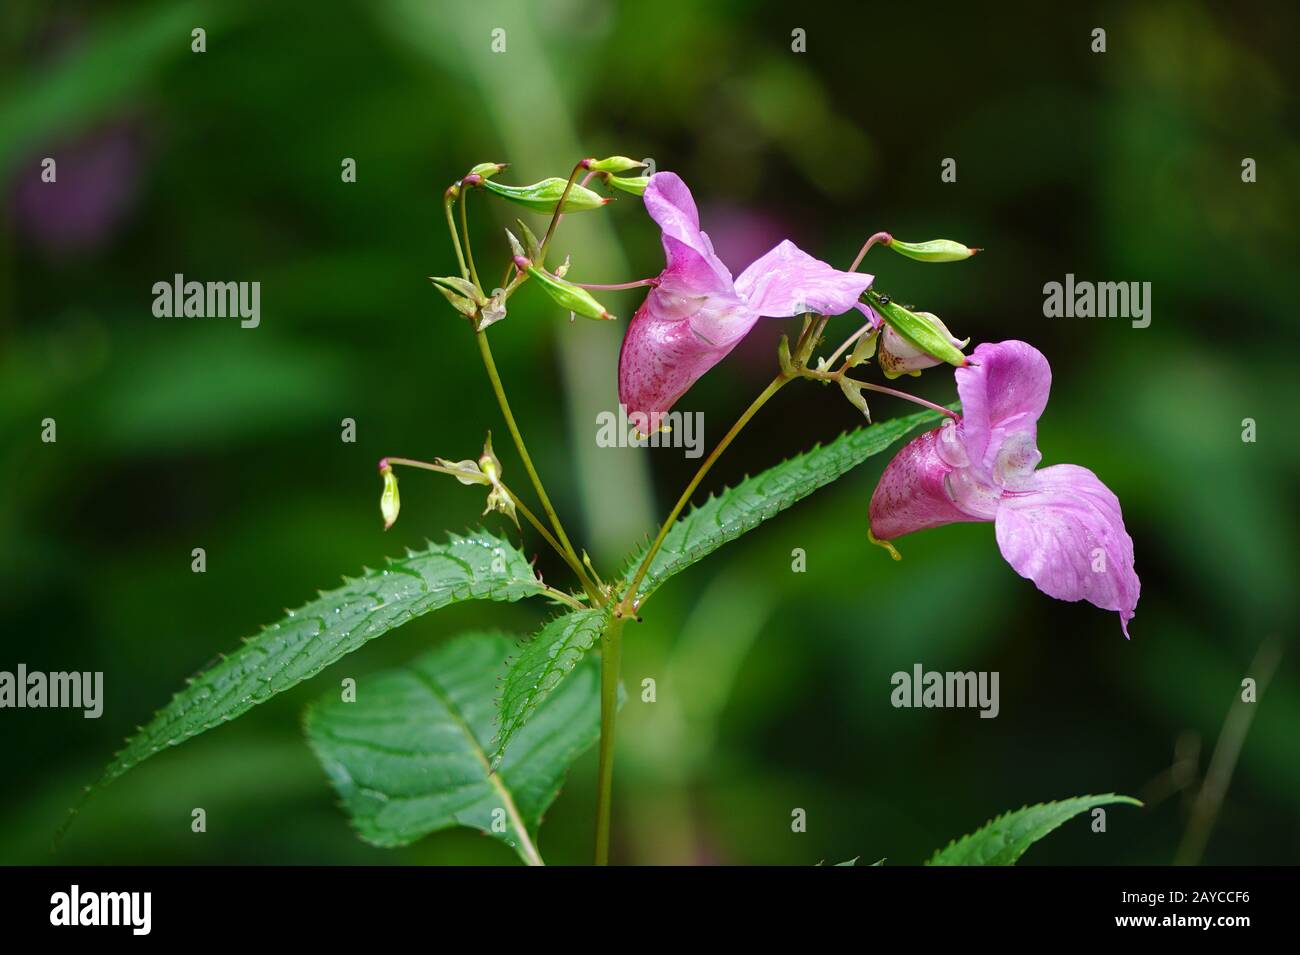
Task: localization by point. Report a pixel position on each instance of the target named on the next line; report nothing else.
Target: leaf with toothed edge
(542, 663)
(1003, 840)
(410, 756)
(734, 511)
(478, 566)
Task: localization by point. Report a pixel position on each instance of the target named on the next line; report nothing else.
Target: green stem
(848, 342)
(455, 239)
(882, 237)
(555, 216)
(630, 604)
(610, 651)
(469, 250)
(567, 548)
(841, 375)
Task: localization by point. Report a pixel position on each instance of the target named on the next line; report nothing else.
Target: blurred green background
(773, 686)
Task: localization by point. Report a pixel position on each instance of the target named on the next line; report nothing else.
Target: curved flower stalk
(696, 313)
(1061, 527)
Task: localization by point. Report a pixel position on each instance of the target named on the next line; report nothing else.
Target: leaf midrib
(526, 847)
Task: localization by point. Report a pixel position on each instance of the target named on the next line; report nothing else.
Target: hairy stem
(610, 651)
(563, 539)
(629, 603)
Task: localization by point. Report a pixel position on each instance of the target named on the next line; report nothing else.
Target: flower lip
(1059, 526)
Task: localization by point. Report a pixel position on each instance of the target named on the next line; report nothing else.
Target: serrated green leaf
(1004, 840)
(410, 756)
(742, 508)
(541, 665)
(478, 566)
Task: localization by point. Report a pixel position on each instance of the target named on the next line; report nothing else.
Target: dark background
(773, 686)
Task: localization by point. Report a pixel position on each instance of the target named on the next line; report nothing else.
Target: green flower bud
(486, 170)
(633, 184)
(498, 498)
(568, 296)
(389, 501)
(612, 164)
(488, 464)
(936, 250)
(544, 196)
(922, 332)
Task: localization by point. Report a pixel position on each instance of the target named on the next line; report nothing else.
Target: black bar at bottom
(213, 905)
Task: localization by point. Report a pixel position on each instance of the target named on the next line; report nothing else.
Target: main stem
(485, 350)
(629, 603)
(611, 649)
(611, 640)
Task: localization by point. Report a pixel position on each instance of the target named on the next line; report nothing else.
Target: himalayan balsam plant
(481, 731)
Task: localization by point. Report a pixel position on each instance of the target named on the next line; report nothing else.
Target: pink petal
(671, 341)
(689, 322)
(1067, 535)
(913, 494)
(788, 281)
(1003, 392)
(687, 250)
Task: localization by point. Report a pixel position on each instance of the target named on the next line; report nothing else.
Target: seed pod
(633, 184)
(544, 196)
(935, 250)
(568, 296)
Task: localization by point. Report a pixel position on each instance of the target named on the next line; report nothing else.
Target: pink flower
(1060, 527)
(697, 313)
